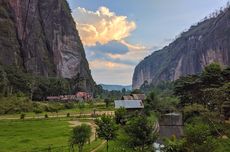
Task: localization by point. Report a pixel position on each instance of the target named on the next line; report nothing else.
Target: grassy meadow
(37, 135)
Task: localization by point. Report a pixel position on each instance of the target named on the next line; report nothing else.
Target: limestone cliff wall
(41, 37)
(207, 42)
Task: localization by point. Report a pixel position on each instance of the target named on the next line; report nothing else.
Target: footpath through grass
(37, 135)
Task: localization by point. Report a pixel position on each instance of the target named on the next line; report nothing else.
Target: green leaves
(121, 116)
(202, 88)
(81, 134)
(140, 132)
(106, 128)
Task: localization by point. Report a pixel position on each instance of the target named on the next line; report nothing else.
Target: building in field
(129, 104)
(83, 95)
(79, 96)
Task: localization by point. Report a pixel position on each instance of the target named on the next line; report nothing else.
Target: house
(129, 104)
(138, 96)
(83, 95)
(53, 98)
(127, 97)
(134, 97)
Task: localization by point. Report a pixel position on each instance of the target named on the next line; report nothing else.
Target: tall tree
(211, 76)
(141, 133)
(80, 136)
(121, 116)
(106, 129)
(3, 80)
(151, 103)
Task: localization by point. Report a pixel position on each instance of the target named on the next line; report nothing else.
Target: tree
(80, 136)
(140, 131)
(136, 91)
(106, 129)
(198, 137)
(151, 103)
(211, 76)
(81, 106)
(3, 81)
(188, 89)
(121, 116)
(107, 101)
(123, 91)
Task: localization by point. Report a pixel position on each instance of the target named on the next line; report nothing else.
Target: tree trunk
(107, 147)
(80, 148)
(143, 147)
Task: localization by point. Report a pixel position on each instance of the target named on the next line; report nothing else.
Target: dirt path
(4, 117)
(97, 148)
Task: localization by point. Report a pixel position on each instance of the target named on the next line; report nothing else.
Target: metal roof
(129, 104)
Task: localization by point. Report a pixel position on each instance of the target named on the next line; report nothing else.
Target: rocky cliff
(40, 36)
(207, 42)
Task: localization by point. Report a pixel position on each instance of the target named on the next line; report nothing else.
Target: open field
(87, 111)
(38, 135)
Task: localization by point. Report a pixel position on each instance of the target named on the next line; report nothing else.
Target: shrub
(22, 116)
(46, 116)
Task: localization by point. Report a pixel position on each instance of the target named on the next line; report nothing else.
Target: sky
(118, 34)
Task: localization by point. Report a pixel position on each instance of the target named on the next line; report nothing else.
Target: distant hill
(115, 87)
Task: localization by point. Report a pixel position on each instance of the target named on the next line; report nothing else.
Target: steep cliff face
(41, 37)
(203, 44)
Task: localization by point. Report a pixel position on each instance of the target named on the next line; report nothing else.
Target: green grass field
(88, 109)
(37, 135)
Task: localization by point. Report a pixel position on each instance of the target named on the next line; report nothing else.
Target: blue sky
(118, 34)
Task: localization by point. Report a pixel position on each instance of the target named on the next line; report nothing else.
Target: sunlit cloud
(104, 34)
(101, 26)
(103, 64)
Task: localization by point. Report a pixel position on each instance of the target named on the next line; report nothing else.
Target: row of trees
(13, 80)
(210, 88)
(139, 131)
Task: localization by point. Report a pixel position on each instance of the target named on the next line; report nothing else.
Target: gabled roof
(138, 96)
(134, 97)
(129, 104)
(127, 97)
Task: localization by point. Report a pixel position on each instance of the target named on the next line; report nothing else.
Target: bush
(121, 116)
(22, 116)
(193, 111)
(69, 105)
(46, 116)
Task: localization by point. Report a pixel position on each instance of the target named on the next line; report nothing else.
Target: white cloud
(111, 57)
(101, 26)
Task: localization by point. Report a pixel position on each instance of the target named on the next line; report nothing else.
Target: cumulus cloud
(101, 26)
(104, 34)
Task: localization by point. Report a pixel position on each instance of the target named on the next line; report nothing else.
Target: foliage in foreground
(81, 134)
(141, 133)
(107, 128)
